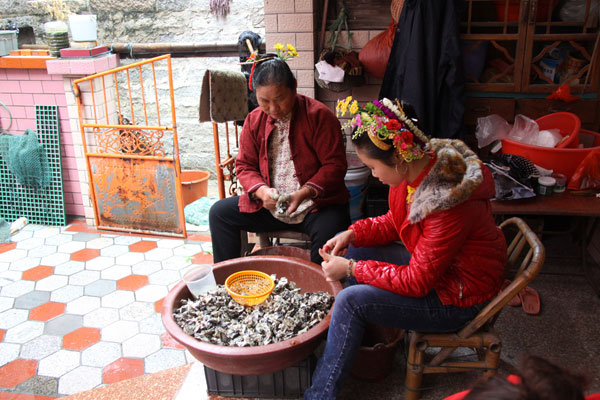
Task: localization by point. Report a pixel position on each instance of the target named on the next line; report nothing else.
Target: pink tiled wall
(20, 91)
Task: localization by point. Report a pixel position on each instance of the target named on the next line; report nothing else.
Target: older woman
(291, 165)
(451, 260)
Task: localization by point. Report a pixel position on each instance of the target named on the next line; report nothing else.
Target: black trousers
(226, 223)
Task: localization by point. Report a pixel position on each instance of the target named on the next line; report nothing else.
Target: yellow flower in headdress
(292, 50)
(354, 107)
(285, 54)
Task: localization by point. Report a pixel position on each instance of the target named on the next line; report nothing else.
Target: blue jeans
(359, 305)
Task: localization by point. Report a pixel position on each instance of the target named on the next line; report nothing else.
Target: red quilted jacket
(456, 248)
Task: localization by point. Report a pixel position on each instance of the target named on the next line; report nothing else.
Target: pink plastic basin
(255, 360)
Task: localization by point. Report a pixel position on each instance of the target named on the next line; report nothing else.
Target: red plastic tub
(564, 160)
(568, 124)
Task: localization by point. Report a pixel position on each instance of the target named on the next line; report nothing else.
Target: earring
(404, 169)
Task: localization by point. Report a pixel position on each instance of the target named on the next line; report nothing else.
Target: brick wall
(292, 21)
(20, 91)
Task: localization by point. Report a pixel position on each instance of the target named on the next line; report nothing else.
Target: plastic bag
(524, 130)
(587, 174)
(574, 10)
(548, 138)
(491, 128)
(374, 56)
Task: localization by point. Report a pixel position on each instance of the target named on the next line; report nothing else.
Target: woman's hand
(268, 196)
(297, 198)
(338, 245)
(334, 268)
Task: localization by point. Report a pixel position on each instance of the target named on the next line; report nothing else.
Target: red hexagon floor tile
(47, 311)
(142, 246)
(37, 273)
(16, 372)
(85, 254)
(132, 282)
(81, 338)
(121, 369)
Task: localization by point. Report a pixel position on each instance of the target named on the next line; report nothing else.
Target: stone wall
(152, 21)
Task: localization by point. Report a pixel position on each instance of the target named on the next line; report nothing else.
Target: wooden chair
(526, 250)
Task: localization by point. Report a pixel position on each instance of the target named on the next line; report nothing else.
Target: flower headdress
(281, 53)
(385, 121)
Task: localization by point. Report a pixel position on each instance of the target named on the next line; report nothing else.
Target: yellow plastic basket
(249, 288)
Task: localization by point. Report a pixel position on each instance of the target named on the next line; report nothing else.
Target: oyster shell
(218, 319)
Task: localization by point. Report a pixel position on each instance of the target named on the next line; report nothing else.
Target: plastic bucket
(562, 161)
(356, 180)
(194, 184)
(83, 28)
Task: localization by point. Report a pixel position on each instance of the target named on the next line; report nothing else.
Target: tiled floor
(80, 308)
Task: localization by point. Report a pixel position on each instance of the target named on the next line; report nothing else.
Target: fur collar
(453, 178)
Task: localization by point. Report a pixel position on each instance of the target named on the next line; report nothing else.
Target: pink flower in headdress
(403, 146)
(357, 120)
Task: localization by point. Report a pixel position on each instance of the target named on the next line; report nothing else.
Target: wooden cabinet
(520, 51)
(586, 110)
(477, 107)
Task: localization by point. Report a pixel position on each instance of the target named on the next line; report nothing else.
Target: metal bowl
(256, 360)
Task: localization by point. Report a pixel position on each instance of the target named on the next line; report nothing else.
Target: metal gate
(129, 134)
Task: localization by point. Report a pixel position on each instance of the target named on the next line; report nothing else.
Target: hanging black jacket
(425, 66)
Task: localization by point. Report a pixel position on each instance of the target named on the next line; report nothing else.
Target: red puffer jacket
(456, 248)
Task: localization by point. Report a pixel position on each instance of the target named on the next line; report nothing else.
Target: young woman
(291, 145)
(432, 262)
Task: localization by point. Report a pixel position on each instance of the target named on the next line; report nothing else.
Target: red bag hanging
(374, 56)
(587, 174)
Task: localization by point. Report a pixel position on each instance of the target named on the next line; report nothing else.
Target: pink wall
(20, 91)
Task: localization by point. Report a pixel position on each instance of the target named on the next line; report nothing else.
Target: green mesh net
(26, 159)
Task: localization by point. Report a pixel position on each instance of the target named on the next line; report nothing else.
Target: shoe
(530, 300)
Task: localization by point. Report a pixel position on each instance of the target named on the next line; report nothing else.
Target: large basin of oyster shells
(256, 360)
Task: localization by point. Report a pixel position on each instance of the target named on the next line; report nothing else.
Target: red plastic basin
(256, 360)
(561, 160)
(567, 123)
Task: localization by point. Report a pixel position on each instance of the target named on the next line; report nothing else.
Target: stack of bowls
(57, 37)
